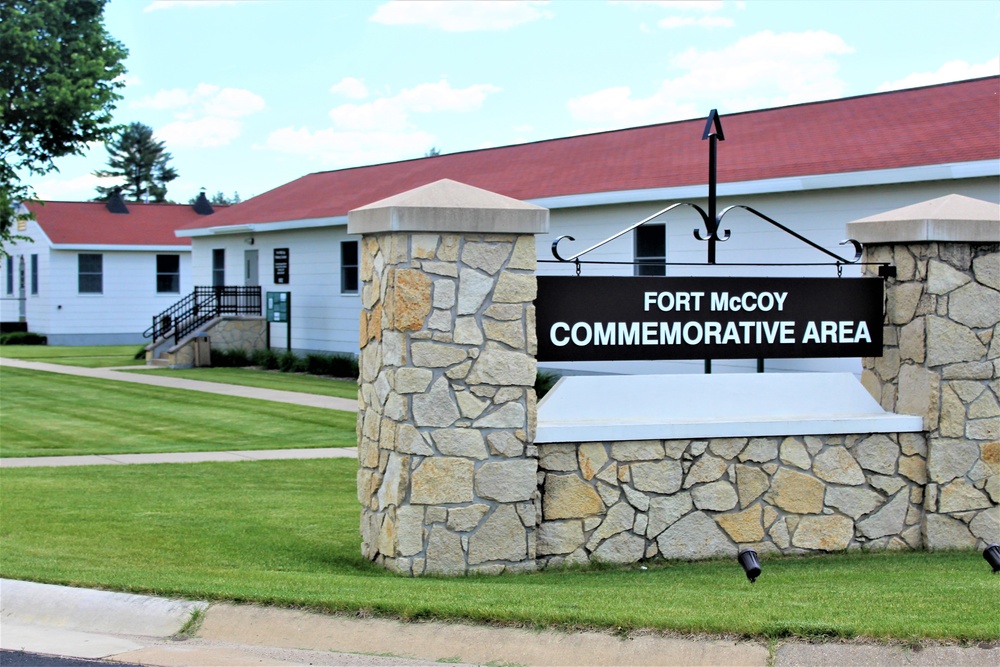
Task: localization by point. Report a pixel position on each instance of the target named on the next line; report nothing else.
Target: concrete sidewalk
(294, 397)
(74, 622)
(180, 457)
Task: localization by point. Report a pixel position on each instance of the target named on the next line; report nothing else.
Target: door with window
(251, 271)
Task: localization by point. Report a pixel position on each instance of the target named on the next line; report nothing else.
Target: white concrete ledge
(662, 407)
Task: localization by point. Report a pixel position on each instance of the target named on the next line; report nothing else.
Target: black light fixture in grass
(751, 565)
(992, 555)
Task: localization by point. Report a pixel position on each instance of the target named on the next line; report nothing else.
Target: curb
(85, 610)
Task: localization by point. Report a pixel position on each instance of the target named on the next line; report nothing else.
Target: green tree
(220, 199)
(140, 162)
(60, 73)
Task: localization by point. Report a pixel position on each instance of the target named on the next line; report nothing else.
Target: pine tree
(141, 161)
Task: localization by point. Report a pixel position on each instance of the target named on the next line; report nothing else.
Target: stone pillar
(942, 355)
(446, 411)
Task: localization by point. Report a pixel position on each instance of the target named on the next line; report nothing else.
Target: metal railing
(201, 306)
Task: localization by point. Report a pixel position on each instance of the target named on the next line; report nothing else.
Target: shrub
(235, 358)
(23, 338)
(288, 362)
(266, 359)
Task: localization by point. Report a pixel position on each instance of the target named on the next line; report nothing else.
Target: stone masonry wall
(225, 333)
(447, 476)
(624, 502)
(942, 361)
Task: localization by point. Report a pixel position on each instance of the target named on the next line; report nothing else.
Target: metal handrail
(202, 305)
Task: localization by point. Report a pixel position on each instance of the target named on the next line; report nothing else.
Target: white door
(251, 275)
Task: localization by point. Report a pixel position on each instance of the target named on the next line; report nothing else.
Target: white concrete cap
(662, 407)
(952, 218)
(449, 206)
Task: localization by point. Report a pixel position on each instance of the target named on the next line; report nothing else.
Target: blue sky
(248, 95)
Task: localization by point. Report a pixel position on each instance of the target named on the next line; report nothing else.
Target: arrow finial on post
(713, 127)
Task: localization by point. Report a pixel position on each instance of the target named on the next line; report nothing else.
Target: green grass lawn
(286, 533)
(310, 384)
(50, 414)
(98, 356)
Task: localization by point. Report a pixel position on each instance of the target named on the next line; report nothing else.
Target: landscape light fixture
(992, 555)
(751, 565)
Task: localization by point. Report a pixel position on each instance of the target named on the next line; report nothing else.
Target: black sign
(281, 266)
(612, 319)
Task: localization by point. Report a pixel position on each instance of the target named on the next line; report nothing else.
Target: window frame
(34, 275)
(9, 274)
(350, 272)
(162, 274)
(81, 274)
(218, 267)
(639, 253)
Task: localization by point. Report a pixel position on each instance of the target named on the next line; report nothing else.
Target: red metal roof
(955, 122)
(91, 223)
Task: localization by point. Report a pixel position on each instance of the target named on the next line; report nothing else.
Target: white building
(95, 273)
(811, 167)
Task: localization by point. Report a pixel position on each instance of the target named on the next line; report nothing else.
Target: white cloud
(208, 132)
(335, 148)
(954, 70)
(761, 70)
(703, 22)
(381, 129)
(461, 15)
(683, 5)
(351, 88)
(206, 99)
(157, 5)
(80, 188)
(205, 117)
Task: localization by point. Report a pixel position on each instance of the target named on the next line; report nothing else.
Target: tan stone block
(423, 246)
(524, 255)
(823, 533)
(913, 468)
(411, 299)
(488, 257)
(985, 406)
(591, 456)
(949, 342)
(750, 484)
(442, 480)
(901, 301)
(515, 288)
(569, 497)
(743, 527)
(796, 492)
(990, 453)
(919, 389)
(637, 450)
(835, 464)
(975, 306)
(705, 469)
(793, 452)
(718, 496)
(960, 496)
(912, 346)
(501, 537)
(508, 332)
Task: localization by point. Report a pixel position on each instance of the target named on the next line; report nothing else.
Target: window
(91, 274)
(348, 267)
(34, 274)
(9, 261)
(651, 250)
(168, 274)
(218, 267)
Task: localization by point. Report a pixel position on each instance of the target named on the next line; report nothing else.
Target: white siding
(322, 318)
(118, 315)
